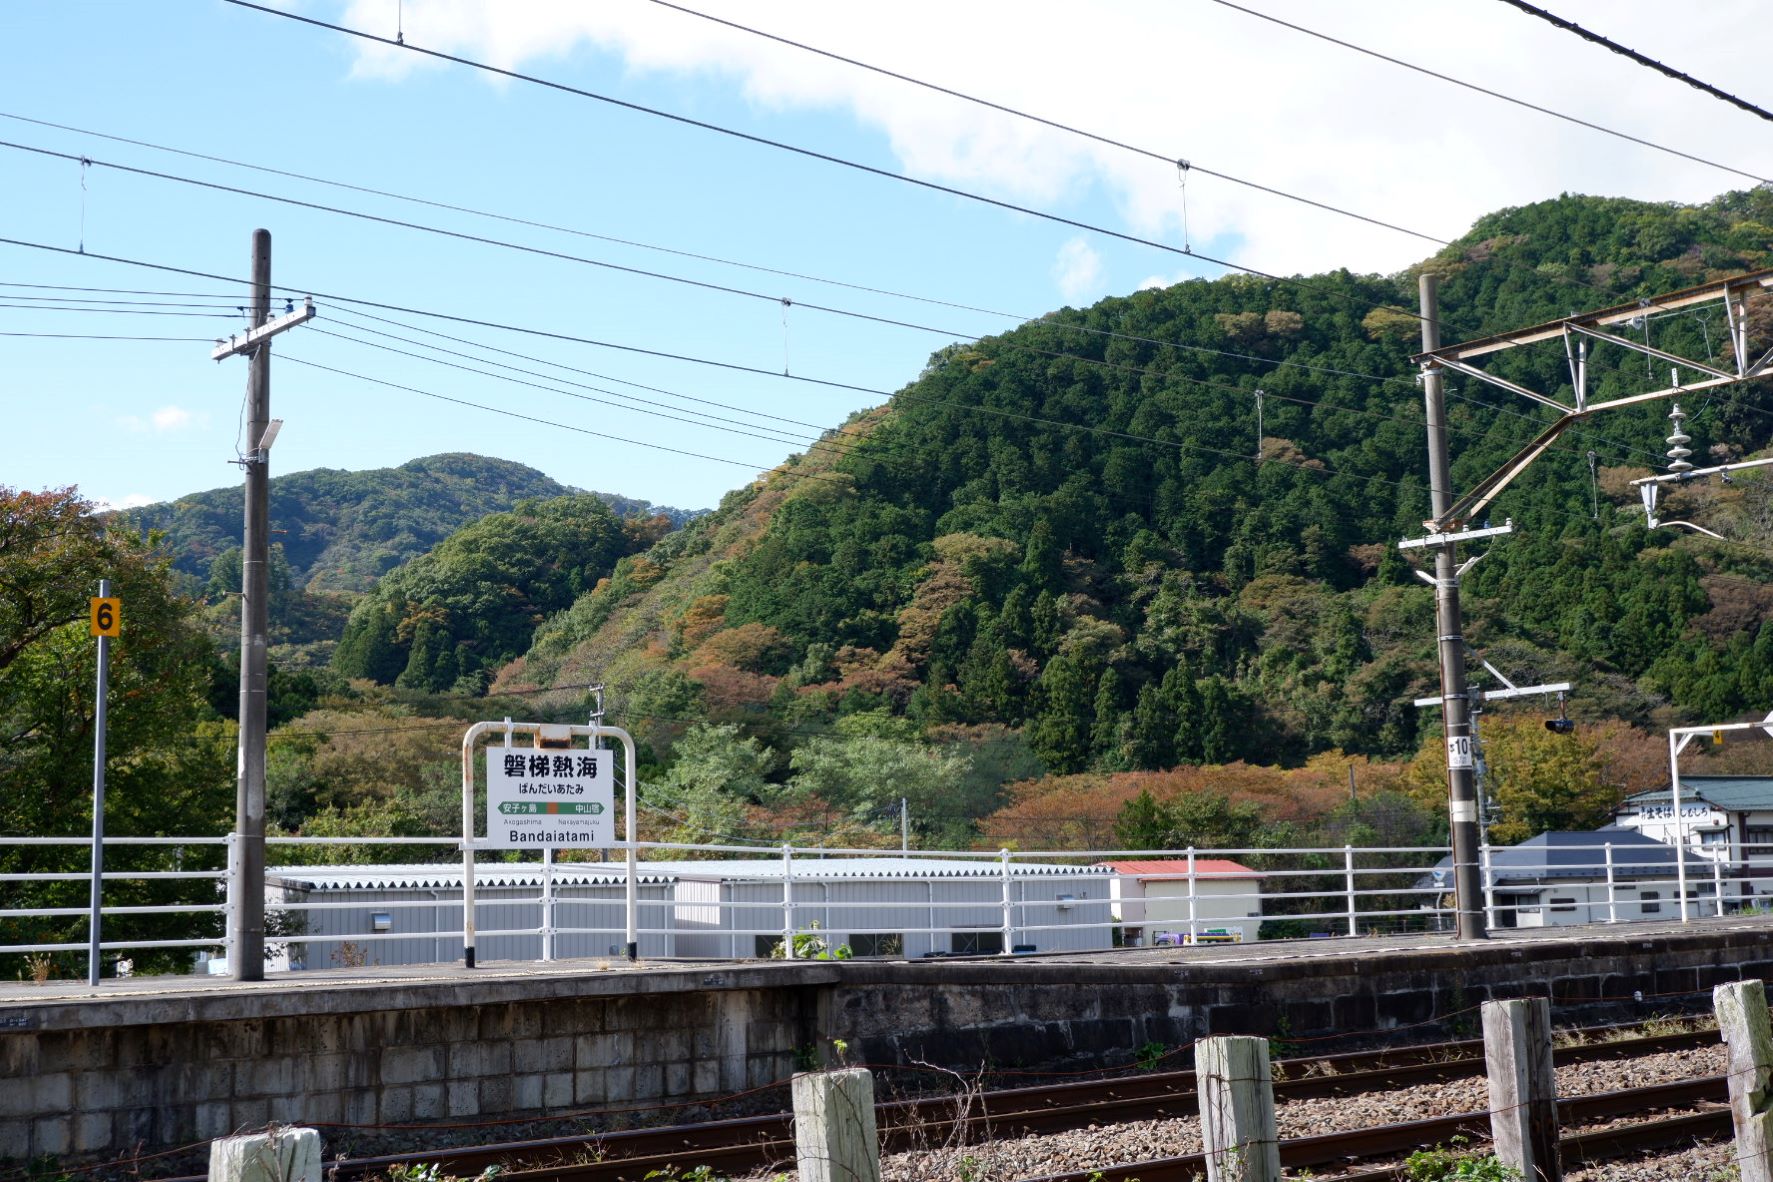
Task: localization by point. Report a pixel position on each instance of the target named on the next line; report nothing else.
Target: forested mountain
(340, 531)
(471, 603)
(1071, 533)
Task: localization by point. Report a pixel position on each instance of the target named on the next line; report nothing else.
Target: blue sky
(150, 420)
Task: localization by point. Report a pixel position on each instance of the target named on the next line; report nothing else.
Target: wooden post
(1237, 1109)
(834, 1136)
(280, 1155)
(1523, 1091)
(1742, 1021)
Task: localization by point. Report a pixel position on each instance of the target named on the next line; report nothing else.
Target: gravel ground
(1097, 1147)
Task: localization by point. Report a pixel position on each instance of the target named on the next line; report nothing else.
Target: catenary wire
(1495, 94)
(1167, 158)
(1641, 59)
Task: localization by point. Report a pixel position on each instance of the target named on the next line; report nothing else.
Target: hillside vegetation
(1069, 538)
(341, 531)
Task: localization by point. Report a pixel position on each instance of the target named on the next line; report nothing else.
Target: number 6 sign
(107, 616)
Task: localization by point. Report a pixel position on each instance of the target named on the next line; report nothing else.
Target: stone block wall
(92, 1077)
(95, 1090)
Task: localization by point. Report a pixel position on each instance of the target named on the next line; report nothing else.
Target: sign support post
(550, 795)
(107, 622)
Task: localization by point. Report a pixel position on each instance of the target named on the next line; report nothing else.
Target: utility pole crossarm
(246, 342)
(1617, 314)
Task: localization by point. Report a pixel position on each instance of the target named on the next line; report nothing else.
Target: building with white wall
(1162, 901)
(399, 915)
(890, 906)
(1726, 819)
(1600, 876)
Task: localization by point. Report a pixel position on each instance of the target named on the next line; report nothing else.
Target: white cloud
(164, 420)
(1078, 271)
(127, 501)
(1227, 91)
(170, 418)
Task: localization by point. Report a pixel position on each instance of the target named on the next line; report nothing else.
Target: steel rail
(755, 1142)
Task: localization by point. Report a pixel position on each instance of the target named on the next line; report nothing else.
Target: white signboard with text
(537, 797)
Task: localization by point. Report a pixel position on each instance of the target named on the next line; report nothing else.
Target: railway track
(748, 1144)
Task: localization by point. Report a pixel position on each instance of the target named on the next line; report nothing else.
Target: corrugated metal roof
(1165, 869)
(1567, 856)
(497, 874)
(895, 867)
(486, 874)
(1735, 794)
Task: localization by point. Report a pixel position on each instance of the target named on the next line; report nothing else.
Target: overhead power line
(509, 413)
(795, 149)
(1190, 444)
(1472, 86)
(1570, 26)
(1167, 158)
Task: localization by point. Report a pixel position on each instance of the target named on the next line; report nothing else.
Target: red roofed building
(1165, 901)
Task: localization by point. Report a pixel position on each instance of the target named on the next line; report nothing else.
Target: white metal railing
(725, 901)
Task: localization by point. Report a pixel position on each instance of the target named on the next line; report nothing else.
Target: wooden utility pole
(246, 861)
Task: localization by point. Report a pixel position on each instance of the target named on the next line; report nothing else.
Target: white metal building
(1152, 900)
(888, 906)
(413, 914)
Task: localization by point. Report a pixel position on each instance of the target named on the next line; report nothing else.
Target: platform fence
(347, 902)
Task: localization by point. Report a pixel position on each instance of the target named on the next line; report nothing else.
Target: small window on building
(1647, 901)
(381, 921)
(766, 946)
(981, 943)
(878, 944)
(1562, 904)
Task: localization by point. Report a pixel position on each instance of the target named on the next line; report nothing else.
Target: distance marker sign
(541, 798)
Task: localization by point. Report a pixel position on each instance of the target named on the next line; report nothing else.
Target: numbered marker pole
(106, 623)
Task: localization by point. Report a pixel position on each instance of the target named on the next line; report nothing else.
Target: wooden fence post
(1742, 1021)
(1237, 1109)
(280, 1154)
(1523, 1090)
(834, 1135)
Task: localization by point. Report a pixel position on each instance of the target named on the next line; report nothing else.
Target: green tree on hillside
(170, 766)
(469, 605)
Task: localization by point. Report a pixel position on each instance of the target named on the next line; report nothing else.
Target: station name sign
(538, 798)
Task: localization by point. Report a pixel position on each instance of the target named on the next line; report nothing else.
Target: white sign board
(536, 797)
(1458, 751)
